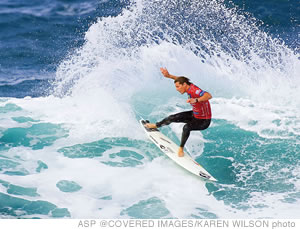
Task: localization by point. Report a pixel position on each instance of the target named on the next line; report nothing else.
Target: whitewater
(80, 152)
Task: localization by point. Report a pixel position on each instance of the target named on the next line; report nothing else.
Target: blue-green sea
(76, 77)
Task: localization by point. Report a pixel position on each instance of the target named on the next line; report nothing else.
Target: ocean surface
(76, 76)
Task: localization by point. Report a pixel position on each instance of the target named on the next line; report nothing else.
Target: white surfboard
(167, 146)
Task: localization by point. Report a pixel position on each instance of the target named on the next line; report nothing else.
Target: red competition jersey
(201, 110)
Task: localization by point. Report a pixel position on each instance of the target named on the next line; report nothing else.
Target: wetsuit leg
(195, 124)
(186, 116)
(192, 123)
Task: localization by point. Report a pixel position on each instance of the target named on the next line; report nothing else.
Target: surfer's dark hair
(182, 80)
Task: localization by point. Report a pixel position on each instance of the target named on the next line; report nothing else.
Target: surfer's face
(181, 88)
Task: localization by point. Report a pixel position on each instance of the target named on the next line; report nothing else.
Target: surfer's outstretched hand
(165, 72)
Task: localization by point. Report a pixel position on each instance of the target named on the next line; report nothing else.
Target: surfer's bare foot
(151, 125)
(180, 152)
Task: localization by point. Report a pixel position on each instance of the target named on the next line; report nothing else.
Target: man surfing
(198, 118)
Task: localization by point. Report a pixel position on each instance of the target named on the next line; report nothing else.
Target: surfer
(198, 118)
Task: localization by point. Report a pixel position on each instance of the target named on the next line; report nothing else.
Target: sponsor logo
(153, 139)
(165, 140)
(204, 175)
(164, 148)
(170, 150)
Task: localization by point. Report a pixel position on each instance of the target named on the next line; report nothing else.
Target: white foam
(266, 119)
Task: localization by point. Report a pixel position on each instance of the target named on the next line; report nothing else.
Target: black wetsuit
(192, 123)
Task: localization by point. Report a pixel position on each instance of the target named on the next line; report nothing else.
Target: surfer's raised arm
(166, 74)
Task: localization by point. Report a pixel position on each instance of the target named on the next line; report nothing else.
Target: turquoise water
(76, 149)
